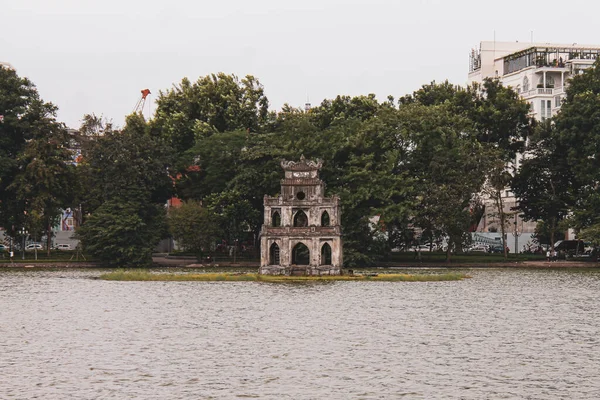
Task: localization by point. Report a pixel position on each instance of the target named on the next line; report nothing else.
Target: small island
(146, 275)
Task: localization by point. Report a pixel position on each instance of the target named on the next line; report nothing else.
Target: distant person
(555, 256)
(548, 255)
(11, 254)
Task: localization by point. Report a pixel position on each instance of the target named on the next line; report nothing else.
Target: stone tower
(301, 232)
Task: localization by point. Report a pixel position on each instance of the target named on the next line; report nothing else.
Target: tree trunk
(48, 238)
(500, 208)
(552, 231)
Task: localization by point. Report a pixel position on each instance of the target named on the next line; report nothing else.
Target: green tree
(501, 118)
(46, 180)
(214, 103)
(498, 180)
(35, 176)
(236, 216)
(496, 116)
(194, 227)
(123, 233)
(449, 167)
(577, 136)
(130, 170)
(542, 183)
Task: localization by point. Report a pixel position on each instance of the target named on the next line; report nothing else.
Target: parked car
(62, 246)
(478, 248)
(34, 246)
(421, 248)
(497, 248)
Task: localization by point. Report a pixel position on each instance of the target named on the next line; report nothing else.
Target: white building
(539, 72)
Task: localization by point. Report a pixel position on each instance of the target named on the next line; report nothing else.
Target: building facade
(301, 233)
(539, 72)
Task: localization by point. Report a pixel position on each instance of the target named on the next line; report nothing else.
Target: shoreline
(163, 262)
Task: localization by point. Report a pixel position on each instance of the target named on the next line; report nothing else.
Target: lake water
(504, 334)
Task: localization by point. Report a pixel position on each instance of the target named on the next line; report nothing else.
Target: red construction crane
(139, 107)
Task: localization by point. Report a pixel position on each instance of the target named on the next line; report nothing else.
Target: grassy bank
(145, 275)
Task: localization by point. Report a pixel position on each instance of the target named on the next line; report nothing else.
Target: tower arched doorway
(300, 254)
(274, 255)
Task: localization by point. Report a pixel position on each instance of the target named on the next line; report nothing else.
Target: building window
(556, 101)
(546, 110)
(525, 84)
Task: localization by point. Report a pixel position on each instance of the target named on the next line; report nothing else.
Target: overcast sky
(95, 56)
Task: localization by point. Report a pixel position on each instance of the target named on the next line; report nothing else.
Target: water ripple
(503, 334)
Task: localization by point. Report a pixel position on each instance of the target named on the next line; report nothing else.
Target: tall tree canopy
(214, 103)
(36, 175)
(543, 181)
(127, 218)
(577, 137)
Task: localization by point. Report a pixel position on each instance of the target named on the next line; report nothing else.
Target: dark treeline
(421, 164)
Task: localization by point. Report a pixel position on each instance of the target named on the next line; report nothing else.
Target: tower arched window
(326, 254)
(325, 221)
(300, 219)
(276, 219)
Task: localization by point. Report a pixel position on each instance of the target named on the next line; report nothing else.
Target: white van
(62, 247)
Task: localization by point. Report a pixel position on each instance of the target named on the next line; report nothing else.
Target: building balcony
(552, 68)
(542, 92)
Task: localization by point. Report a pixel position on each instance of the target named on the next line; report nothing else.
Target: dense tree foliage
(194, 227)
(543, 183)
(214, 103)
(449, 166)
(36, 175)
(129, 171)
(401, 172)
(576, 137)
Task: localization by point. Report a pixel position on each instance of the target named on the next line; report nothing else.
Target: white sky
(95, 56)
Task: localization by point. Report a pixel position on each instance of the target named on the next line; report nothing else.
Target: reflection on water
(502, 334)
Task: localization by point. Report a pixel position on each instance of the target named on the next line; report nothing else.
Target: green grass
(145, 275)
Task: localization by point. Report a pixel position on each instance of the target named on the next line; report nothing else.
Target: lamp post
(23, 232)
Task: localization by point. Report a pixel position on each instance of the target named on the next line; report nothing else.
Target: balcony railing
(543, 91)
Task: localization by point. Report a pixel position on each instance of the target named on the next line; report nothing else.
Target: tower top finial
(302, 165)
